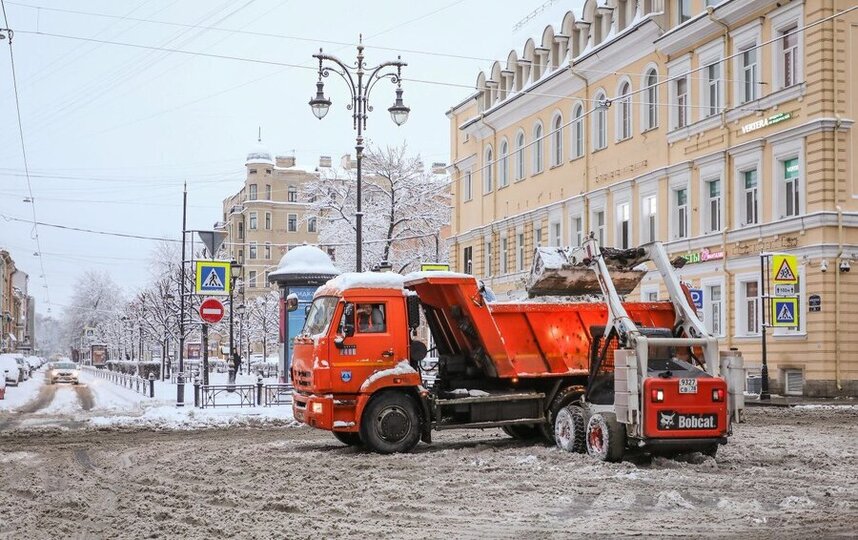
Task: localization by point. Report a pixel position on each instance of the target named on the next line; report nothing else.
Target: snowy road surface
(787, 473)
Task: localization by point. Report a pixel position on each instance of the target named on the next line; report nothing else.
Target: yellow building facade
(722, 128)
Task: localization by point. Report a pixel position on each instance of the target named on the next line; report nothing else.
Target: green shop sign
(702, 256)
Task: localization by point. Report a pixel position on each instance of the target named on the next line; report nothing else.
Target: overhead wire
(35, 230)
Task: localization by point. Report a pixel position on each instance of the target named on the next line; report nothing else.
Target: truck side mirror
(349, 329)
(291, 302)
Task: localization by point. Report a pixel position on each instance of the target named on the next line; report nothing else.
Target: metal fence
(145, 387)
(241, 395)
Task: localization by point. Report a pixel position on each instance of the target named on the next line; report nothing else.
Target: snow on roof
(259, 154)
(366, 280)
(305, 260)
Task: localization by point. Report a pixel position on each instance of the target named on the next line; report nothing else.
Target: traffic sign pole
(205, 333)
(764, 371)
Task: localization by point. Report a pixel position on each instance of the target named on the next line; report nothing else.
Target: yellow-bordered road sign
(434, 267)
(785, 312)
(212, 278)
(784, 269)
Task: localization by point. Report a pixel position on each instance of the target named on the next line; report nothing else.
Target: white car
(9, 365)
(64, 372)
(2, 387)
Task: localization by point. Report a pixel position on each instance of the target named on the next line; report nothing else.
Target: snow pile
(366, 280)
(65, 402)
(305, 260)
(402, 368)
(170, 417)
(21, 394)
(414, 276)
(466, 392)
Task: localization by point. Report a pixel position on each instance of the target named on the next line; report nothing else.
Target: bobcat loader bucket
(565, 272)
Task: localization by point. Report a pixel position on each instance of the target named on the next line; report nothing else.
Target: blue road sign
(697, 297)
(784, 312)
(212, 277)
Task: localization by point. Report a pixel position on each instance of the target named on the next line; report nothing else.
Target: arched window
(488, 167)
(557, 140)
(504, 164)
(651, 100)
(624, 112)
(519, 156)
(537, 148)
(600, 123)
(578, 131)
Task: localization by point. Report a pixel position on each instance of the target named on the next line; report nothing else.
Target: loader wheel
(348, 438)
(606, 438)
(522, 432)
(390, 423)
(570, 429)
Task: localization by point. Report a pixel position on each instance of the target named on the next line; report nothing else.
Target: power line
(91, 231)
(35, 232)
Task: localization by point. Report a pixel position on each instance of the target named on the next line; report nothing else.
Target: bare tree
(405, 208)
(96, 303)
(263, 317)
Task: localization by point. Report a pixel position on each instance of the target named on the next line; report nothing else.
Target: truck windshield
(320, 315)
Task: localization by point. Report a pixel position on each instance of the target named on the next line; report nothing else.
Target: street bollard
(180, 389)
(151, 384)
(259, 390)
(196, 391)
(231, 380)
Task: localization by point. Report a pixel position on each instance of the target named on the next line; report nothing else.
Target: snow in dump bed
(366, 280)
(413, 276)
(305, 260)
(402, 368)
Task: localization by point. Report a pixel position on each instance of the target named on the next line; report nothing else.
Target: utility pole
(180, 378)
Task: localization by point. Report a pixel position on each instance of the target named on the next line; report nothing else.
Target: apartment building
(722, 128)
(17, 308)
(268, 215)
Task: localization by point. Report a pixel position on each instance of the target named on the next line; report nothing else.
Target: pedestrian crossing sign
(212, 278)
(784, 269)
(785, 312)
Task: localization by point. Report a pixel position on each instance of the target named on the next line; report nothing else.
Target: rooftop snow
(305, 260)
(366, 280)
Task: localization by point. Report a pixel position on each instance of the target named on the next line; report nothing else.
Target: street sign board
(434, 267)
(212, 278)
(212, 240)
(784, 269)
(697, 297)
(211, 310)
(784, 290)
(814, 303)
(785, 312)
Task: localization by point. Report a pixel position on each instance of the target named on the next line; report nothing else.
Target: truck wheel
(390, 424)
(522, 433)
(570, 429)
(606, 438)
(348, 438)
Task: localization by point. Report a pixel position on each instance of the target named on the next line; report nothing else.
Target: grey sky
(112, 131)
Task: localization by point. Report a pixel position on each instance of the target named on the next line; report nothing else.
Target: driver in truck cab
(370, 318)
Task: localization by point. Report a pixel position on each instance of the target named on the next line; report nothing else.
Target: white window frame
(788, 16)
(648, 290)
(676, 70)
(503, 164)
(312, 225)
(538, 147)
(268, 221)
(597, 206)
(649, 216)
(710, 171)
(681, 218)
(557, 150)
(504, 254)
(624, 128)
(623, 205)
(251, 279)
(600, 123)
(648, 105)
(290, 221)
(468, 187)
(705, 285)
(519, 250)
(520, 155)
(751, 159)
(745, 37)
(741, 310)
(267, 251)
(782, 152)
(555, 232)
(291, 194)
(688, 16)
(677, 182)
(253, 222)
(712, 53)
(487, 256)
(253, 251)
(577, 129)
(488, 169)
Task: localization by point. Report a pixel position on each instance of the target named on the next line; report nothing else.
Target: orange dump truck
(534, 369)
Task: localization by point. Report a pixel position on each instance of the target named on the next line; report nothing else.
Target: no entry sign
(211, 310)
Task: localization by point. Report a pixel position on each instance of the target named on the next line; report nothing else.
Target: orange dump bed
(528, 339)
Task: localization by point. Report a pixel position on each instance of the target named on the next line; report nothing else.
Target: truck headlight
(316, 408)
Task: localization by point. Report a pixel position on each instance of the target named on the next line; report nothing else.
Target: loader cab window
(319, 315)
(371, 318)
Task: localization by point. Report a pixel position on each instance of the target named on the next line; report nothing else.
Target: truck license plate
(687, 386)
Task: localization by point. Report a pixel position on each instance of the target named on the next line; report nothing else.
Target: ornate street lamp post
(360, 80)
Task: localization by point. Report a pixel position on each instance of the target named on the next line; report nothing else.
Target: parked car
(24, 366)
(64, 372)
(2, 387)
(9, 365)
